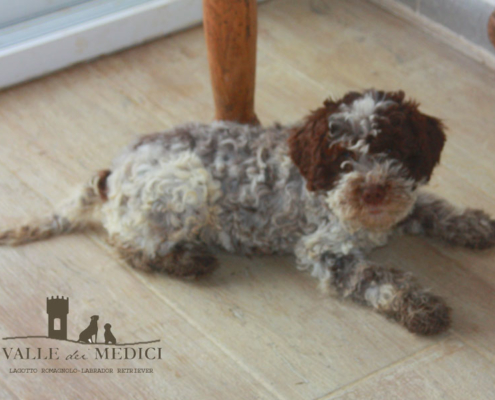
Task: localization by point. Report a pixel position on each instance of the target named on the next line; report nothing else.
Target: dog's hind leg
(184, 259)
(161, 219)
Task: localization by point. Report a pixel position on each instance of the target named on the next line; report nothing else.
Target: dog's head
(94, 318)
(368, 152)
(107, 326)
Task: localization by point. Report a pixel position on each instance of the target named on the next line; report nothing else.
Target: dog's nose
(374, 194)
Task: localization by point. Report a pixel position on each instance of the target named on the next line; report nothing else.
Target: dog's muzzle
(375, 195)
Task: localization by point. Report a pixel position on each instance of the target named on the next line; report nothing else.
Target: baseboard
(440, 31)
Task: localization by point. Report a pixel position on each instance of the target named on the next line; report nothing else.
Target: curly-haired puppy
(329, 190)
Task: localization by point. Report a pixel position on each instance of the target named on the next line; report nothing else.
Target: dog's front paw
(473, 229)
(424, 313)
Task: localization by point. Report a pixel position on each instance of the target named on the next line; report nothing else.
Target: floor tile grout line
(474, 347)
(394, 364)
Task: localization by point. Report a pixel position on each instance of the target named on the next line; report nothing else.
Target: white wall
(467, 18)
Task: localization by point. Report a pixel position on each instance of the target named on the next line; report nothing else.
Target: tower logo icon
(57, 310)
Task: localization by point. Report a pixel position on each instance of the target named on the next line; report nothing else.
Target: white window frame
(12, 12)
(40, 54)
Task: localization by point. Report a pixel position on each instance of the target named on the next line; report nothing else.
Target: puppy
(109, 338)
(89, 335)
(329, 189)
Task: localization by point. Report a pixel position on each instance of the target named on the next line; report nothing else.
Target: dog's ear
(311, 149)
(427, 138)
(432, 145)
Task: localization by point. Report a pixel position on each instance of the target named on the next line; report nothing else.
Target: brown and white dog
(329, 190)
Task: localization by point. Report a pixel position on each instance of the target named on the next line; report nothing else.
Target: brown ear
(430, 136)
(414, 138)
(310, 149)
(435, 140)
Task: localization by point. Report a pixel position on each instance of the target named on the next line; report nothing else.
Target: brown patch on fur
(101, 183)
(403, 300)
(310, 149)
(184, 260)
(406, 134)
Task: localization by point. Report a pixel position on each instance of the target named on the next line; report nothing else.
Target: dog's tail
(75, 214)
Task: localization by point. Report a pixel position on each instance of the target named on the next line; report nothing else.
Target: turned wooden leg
(231, 29)
(491, 28)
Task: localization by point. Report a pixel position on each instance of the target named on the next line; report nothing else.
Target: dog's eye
(387, 151)
(346, 155)
(336, 128)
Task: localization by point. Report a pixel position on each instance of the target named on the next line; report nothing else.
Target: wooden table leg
(491, 28)
(231, 30)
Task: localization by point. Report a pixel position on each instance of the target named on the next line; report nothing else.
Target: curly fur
(328, 189)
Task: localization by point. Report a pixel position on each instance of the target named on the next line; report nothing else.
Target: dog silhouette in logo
(86, 335)
(109, 338)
